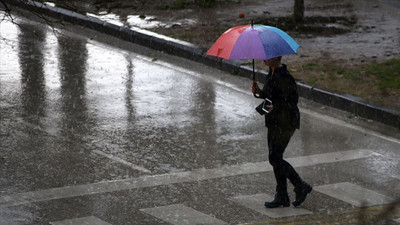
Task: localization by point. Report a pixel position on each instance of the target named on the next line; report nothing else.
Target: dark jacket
(281, 89)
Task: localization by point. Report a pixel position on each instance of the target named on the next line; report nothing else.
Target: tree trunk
(298, 12)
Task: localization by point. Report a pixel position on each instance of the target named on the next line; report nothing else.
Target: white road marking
(119, 160)
(173, 178)
(256, 203)
(397, 176)
(331, 157)
(397, 220)
(91, 220)
(354, 194)
(180, 214)
(351, 126)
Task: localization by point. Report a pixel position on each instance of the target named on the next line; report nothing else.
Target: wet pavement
(94, 130)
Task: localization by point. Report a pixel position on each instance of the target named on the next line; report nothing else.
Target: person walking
(282, 121)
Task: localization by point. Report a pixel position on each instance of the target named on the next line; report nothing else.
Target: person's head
(273, 62)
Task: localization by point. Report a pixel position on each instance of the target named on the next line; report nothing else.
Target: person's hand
(270, 108)
(255, 89)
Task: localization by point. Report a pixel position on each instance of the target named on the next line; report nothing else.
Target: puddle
(180, 23)
(50, 4)
(146, 23)
(111, 18)
(149, 22)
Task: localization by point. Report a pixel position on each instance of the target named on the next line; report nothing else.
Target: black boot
(301, 193)
(279, 200)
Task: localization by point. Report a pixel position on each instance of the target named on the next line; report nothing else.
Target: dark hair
(278, 57)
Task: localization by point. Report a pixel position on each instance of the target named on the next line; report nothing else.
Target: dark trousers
(278, 139)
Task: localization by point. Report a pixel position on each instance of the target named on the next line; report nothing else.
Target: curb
(190, 51)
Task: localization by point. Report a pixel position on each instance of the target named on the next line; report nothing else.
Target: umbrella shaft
(254, 73)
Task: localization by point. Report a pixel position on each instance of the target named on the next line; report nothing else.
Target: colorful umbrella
(253, 42)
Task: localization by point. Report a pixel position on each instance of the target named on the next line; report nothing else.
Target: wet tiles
(91, 220)
(256, 203)
(180, 214)
(354, 194)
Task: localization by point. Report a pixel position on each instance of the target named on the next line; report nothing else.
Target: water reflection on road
(141, 110)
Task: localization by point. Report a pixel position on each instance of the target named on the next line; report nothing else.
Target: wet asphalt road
(94, 130)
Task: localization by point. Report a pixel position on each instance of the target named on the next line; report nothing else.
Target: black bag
(262, 108)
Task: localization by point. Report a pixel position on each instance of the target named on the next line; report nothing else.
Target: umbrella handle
(257, 95)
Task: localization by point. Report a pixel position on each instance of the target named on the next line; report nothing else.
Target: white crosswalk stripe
(354, 194)
(91, 220)
(180, 214)
(256, 203)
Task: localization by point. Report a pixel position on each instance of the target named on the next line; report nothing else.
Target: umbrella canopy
(253, 42)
